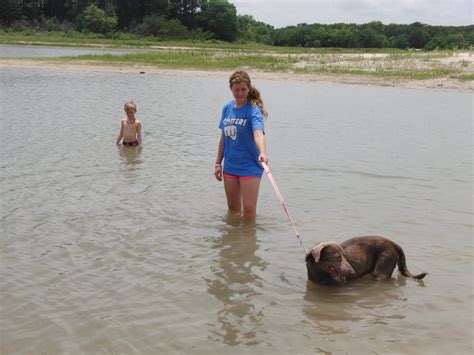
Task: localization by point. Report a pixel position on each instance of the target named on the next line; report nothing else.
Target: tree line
(218, 19)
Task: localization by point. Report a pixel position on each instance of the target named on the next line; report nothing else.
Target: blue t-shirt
(240, 150)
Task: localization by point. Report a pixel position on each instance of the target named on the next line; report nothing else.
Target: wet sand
(439, 83)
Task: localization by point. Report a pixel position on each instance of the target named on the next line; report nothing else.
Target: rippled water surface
(120, 250)
(8, 51)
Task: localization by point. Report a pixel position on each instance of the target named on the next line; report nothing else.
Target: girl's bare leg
(232, 192)
(249, 190)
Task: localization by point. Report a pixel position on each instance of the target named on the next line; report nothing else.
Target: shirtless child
(130, 128)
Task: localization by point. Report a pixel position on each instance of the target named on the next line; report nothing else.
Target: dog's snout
(348, 269)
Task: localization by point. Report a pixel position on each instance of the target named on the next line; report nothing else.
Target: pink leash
(282, 201)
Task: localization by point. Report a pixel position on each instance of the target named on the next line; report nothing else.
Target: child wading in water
(242, 145)
(130, 128)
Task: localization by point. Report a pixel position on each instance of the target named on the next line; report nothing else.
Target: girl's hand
(263, 158)
(218, 172)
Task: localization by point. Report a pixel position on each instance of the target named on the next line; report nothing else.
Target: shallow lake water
(13, 51)
(124, 250)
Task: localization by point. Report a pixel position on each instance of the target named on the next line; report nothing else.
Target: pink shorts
(241, 178)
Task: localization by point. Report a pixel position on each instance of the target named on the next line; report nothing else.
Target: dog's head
(326, 263)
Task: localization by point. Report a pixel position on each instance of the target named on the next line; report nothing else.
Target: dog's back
(364, 253)
(327, 262)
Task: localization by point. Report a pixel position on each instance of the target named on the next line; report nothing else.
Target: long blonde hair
(254, 97)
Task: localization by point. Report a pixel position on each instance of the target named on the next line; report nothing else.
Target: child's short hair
(130, 105)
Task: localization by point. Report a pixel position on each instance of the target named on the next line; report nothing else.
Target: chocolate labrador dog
(330, 263)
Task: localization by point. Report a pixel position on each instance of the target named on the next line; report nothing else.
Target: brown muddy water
(108, 250)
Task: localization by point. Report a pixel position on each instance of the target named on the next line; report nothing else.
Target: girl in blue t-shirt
(242, 145)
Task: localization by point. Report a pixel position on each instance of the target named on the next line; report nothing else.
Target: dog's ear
(317, 249)
(309, 255)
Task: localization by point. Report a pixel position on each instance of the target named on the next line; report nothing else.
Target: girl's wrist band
(218, 164)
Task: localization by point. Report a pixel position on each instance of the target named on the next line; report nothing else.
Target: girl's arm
(119, 138)
(139, 133)
(220, 156)
(259, 138)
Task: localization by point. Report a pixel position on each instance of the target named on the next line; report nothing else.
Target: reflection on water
(130, 156)
(373, 160)
(340, 310)
(236, 284)
(7, 51)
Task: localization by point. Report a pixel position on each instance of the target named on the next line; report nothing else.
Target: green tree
(347, 37)
(159, 26)
(74, 8)
(371, 38)
(132, 12)
(469, 36)
(96, 20)
(31, 9)
(456, 40)
(251, 30)
(54, 9)
(185, 11)
(417, 37)
(377, 26)
(400, 41)
(11, 11)
(220, 18)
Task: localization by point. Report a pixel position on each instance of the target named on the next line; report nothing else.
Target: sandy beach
(445, 83)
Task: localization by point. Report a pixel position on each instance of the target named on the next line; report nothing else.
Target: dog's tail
(402, 265)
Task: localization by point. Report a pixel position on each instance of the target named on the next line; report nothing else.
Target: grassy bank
(195, 59)
(125, 41)
(413, 66)
(378, 63)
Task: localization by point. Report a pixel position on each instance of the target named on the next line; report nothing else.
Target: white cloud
(280, 13)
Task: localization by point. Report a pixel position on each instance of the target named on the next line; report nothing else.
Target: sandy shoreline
(439, 84)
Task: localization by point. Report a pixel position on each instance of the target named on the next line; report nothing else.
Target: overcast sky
(281, 13)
